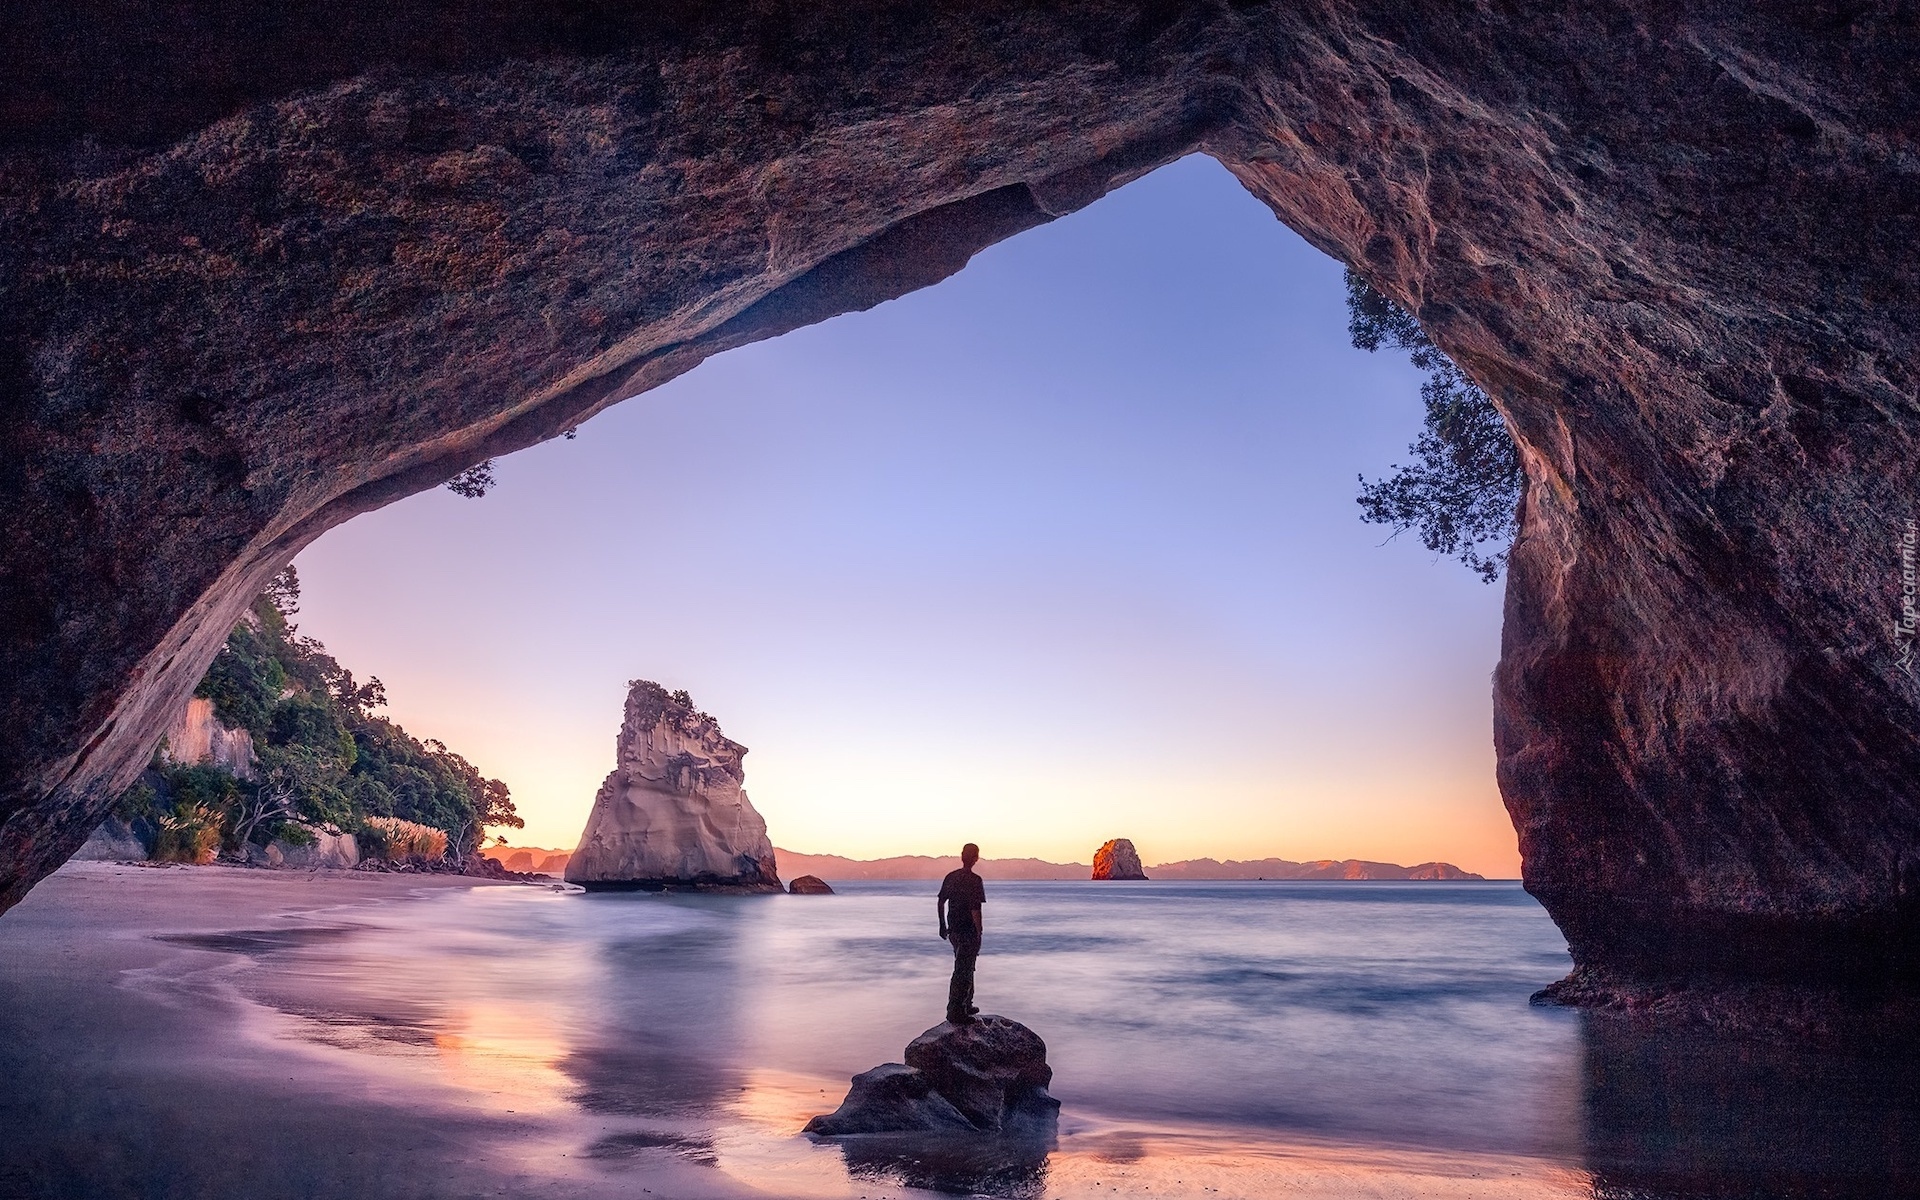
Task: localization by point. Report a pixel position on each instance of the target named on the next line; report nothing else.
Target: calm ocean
(1383, 1016)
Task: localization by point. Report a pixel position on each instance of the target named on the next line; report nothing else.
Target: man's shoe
(960, 1019)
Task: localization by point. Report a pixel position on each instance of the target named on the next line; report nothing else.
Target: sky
(1062, 549)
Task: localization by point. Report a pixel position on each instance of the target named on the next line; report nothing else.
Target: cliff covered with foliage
(326, 760)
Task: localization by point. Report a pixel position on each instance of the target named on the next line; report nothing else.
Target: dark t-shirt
(962, 890)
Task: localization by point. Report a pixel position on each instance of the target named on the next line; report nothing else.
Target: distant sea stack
(673, 814)
(1118, 860)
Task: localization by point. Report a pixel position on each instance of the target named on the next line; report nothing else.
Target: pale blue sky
(1060, 550)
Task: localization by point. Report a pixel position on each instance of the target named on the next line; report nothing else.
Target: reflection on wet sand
(658, 1033)
(470, 1042)
(655, 1033)
(959, 1164)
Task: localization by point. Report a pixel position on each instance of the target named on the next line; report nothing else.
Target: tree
(284, 592)
(272, 800)
(325, 757)
(1462, 492)
(474, 482)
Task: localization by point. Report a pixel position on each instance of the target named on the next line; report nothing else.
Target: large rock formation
(987, 1076)
(266, 267)
(1118, 859)
(673, 812)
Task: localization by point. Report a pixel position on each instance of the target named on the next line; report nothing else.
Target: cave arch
(1054, 524)
(283, 268)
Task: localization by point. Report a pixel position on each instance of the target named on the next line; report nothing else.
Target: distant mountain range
(920, 866)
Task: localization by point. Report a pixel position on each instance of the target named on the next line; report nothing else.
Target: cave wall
(265, 270)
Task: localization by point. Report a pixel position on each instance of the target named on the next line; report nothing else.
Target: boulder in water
(810, 885)
(990, 1073)
(1118, 860)
(891, 1098)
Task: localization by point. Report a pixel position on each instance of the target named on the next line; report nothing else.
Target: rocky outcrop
(320, 849)
(673, 813)
(197, 737)
(267, 268)
(1118, 859)
(114, 841)
(328, 850)
(988, 1076)
(891, 1098)
(809, 885)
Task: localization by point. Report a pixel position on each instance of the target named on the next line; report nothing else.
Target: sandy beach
(172, 1032)
(138, 1065)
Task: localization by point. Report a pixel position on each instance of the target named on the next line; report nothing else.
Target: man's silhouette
(961, 895)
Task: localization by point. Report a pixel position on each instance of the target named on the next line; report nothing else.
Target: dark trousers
(966, 951)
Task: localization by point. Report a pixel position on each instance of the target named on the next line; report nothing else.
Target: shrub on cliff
(1462, 492)
(189, 834)
(393, 839)
(324, 756)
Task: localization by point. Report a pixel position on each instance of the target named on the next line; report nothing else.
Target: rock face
(809, 885)
(990, 1075)
(114, 841)
(329, 254)
(1118, 860)
(891, 1098)
(197, 736)
(337, 851)
(673, 813)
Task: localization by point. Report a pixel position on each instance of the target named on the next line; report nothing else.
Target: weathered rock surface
(267, 268)
(197, 737)
(1118, 859)
(673, 813)
(114, 841)
(891, 1098)
(335, 851)
(989, 1075)
(809, 885)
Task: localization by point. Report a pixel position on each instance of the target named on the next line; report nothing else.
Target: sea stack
(673, 814)
(1118, 860)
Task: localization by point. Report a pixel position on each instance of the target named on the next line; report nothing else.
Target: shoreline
(208, 1058)
(143, 1064)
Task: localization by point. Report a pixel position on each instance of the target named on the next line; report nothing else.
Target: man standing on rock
(961, 895)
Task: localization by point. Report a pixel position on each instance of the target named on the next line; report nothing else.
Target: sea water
(1211, 1020)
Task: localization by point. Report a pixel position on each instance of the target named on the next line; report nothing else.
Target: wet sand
(160, 1042)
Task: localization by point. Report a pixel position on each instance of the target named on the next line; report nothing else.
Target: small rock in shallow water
(891, 1098)
(990, 1074)
(809, 885)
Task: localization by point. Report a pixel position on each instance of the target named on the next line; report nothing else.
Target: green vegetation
(474, 482)
(324, 757)
(1463, 490)
(188, 834)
